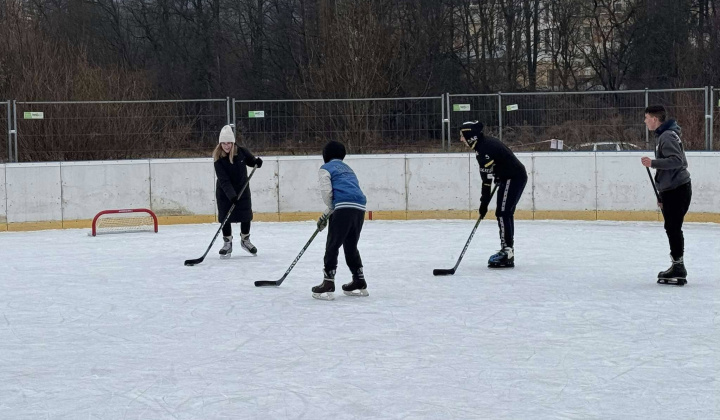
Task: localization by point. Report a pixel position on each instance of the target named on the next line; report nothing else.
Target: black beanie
(472, 131)
(333, 150)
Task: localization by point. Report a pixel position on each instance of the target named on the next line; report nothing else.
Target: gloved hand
(235, 199)
(483, 209)
(258, 162)
(323, 221)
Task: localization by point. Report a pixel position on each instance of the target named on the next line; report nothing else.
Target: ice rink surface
(116, 327)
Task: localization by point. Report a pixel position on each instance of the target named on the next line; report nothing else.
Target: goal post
(124, 221)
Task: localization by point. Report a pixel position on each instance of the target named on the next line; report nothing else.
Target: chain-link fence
(400, 125)
(5, 118)
(598, 120)
(582, 120)
(715, 122)
(96, 130)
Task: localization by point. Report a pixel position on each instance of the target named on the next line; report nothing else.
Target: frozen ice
(116, 327)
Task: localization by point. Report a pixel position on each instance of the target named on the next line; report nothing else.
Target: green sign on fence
(513, 107)
(34, 115)
(256, 114)
(461, 107)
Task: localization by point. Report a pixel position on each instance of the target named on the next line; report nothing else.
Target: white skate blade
(324, 296)
(226, 256)
(672, 281)
(356, 292)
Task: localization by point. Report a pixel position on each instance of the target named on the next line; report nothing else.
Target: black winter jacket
(231, 177)
(495, 158)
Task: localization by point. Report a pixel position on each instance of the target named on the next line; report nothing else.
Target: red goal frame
(139, 210)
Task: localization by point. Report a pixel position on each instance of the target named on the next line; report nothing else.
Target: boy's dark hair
(333, 150)
(657, 111)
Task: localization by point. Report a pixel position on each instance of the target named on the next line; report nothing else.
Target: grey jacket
(670, 160)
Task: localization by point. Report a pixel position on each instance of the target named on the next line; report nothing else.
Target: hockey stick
(657, 195)
(451, 271)
(266, 283)
(199, 260)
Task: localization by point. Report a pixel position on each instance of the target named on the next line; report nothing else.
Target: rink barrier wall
(561, 185)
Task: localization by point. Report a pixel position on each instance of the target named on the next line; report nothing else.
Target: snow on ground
(116, 327)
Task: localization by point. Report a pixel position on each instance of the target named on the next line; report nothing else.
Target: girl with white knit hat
(231, 162)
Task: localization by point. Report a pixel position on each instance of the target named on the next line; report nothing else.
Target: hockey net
(124, 221)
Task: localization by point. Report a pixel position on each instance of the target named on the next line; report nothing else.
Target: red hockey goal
(123, 221)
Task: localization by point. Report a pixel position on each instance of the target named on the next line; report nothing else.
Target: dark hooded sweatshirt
(670, 160)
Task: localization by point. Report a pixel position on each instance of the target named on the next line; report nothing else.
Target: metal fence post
(442, 121)
(708, 110)
(712, 116)
(234, 117)
(15, 130)
(9, 130)
(447, 96)
(647, 132)
(227, 111)
(500, 121)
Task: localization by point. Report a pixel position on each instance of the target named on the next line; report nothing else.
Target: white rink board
(382, 179)
(437, 182)
(623, 183)
(564, 181)
(90, 187)
(264, 187)
(558, 181)
(33, 192)
(182, 186)
(298, 184)
(705, 174)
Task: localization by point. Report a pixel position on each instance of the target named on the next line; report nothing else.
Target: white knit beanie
(226, 135)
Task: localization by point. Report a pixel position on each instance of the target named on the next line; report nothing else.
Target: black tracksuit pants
(508, 195)
(676, 203)
(344, 230)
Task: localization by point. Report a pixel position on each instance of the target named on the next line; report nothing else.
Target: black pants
(508, 195)
(344, 230)
(675, 205)
(244, 228)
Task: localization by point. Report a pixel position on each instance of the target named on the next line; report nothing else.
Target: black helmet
(333, 150)
(472, 131)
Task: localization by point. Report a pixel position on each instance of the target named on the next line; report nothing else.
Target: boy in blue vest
(345, 214)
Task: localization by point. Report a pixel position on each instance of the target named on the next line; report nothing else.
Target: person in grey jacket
(672, 180)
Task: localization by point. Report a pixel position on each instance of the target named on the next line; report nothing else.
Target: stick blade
(443, 272)
(190, 263)
(266, 283)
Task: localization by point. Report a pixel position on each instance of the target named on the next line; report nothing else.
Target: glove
(235, 199)
(258, 162)
(323, 222)
(483, 210)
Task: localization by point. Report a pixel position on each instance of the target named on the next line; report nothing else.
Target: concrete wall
(572, 185)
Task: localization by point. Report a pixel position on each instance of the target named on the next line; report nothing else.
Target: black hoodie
(670, 160)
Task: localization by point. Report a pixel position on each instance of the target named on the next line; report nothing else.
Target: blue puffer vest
(345, 186)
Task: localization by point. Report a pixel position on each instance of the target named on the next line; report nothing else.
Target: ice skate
(675, 275)
(504, 258)
(357, 287)
(226, 250)
(324, 291)
(246, 244)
